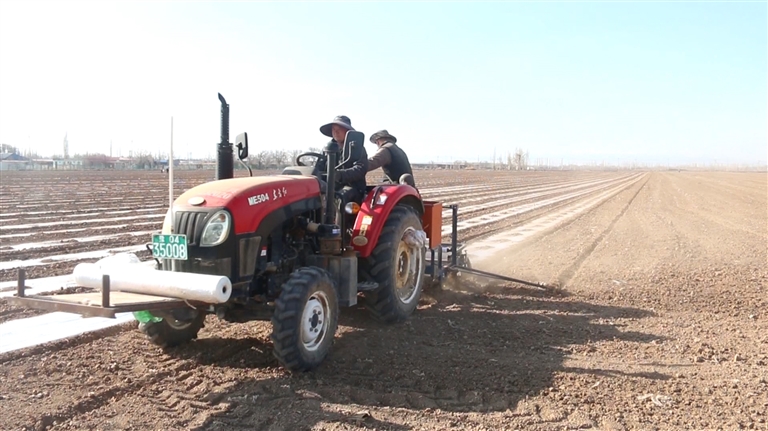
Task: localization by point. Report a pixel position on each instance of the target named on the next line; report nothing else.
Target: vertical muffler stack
(224, 156)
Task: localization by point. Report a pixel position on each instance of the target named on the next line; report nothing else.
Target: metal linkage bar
(453, 264)
(438, 266)
(454, 234)
(94, 304)
(539, 286)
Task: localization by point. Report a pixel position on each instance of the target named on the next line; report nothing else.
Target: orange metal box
(433, 222)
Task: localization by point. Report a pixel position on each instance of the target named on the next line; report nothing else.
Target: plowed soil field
(658, 320)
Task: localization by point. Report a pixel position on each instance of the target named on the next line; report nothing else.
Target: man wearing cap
(391, 159)
(350, 177)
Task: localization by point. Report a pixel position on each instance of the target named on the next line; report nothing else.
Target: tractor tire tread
(165, 336)
(285, 325)
(381, 302)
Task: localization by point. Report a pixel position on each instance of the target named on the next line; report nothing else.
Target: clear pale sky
(661, 82)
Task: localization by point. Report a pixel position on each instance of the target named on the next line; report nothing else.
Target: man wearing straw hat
(391, 159)
(350, 177)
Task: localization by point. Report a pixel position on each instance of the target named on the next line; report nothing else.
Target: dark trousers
(351, 194)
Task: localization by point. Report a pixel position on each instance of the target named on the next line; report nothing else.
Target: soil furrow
(661, 326)
(567, 274)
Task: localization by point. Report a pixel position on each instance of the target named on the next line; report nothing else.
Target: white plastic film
(129, 277)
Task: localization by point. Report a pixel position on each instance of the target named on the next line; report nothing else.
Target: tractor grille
(190, 224)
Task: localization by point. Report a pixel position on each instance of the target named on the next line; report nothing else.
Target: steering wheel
(317, 157)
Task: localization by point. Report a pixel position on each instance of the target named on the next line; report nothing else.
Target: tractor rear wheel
(170, 332)
(305, 319)
(397, 266)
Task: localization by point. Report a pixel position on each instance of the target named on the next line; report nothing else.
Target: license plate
(169, 247)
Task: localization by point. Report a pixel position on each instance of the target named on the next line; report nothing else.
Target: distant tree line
(514, 161)
(277, 159)
(7, 148)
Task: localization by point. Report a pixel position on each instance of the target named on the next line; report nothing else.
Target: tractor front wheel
(170, 332)
(397, 264)
(305, 320)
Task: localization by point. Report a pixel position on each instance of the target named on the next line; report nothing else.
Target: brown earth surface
(85, 211)
(45, 243)
(659, 323)
(47, 215)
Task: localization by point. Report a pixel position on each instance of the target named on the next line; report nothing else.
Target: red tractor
(293, 252)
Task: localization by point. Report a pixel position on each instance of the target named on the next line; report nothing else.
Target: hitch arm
(539, 286)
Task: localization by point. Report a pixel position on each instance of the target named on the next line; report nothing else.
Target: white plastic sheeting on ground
(31, 331)
(21, 333)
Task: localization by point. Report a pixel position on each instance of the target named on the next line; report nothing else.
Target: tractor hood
(251, 191)
(249, 199)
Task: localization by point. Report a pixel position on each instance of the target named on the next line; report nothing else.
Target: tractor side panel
(249, 218)
(374, 212)
(250, 200)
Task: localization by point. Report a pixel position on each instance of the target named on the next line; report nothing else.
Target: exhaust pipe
(332, 152)
(224, 156)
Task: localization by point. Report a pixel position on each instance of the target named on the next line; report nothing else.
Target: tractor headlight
(167, 224)
(216, 230)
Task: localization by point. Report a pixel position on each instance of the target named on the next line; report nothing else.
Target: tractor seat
(407, 179)
(306, 171)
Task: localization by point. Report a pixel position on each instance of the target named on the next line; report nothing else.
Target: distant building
(433, 165)
(43, 164)
(14, 162)
(99, 161)
(67, 164)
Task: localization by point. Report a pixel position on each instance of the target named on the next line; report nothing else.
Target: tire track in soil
(480, 232)
(660, 218)
(178, 398)
(567, 274)
(199, 372)
(541, 222)
(189, 390)
(470, 234)
(177, 381)
(113, 395)
(545, 393)
(476, 212)
(714, 215)
(406, 385)
(497, 215)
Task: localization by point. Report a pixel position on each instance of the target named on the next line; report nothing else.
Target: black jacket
(399, 164)
(352, 172)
